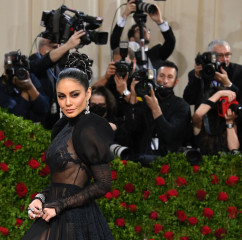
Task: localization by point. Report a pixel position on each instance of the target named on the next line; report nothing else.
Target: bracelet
(41, 197)
(230, 125)
(208, 102)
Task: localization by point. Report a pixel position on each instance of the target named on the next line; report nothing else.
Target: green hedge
(168, 200)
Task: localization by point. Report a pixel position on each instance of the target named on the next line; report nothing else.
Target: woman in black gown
(78, 157)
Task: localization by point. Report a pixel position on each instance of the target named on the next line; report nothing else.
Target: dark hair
(76, 74)
(169, 64)
(132, 30)
(109, 98)
(80, 61)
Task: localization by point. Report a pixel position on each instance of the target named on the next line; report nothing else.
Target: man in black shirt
(230, 76)
(160, 123)
(158, 53)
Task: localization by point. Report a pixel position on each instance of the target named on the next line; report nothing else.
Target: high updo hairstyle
(78, 67)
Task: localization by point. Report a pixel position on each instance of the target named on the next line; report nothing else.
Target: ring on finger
(32, 209)
(29, 211)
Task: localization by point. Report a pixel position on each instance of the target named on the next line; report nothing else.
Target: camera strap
(206, 124)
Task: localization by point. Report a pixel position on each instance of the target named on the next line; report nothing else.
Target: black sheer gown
(78, 177)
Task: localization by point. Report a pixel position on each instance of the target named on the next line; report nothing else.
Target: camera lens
(146, 7)
(21, 74)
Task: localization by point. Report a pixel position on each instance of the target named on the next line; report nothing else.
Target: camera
(210, 64)
(60, 26)
(141, 6)
(123, 67)
(224, 105)
(120, 151)
(17, 65)
(146, 81)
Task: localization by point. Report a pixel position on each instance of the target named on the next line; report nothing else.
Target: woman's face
(72, 97)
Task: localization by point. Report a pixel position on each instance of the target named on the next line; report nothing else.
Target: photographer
(160, 122)
(46, 64)
(158, 53)
(213, 133)
(116, 78)
(229, 75)
(20, 92)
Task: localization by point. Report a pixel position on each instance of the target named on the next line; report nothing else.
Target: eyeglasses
(226, 55)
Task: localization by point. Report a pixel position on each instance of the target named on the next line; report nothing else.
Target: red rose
(21, 189)
(8, 143)
(2, 135)
(115, 193)
(232, 212)
(172, 193)
(114, 175)
(4, 167)
(168, 235)
(108, 195)
(180, 181)
(192, 220)
(132, 208)
(153, 215)
(44, 171)
(232, 180)
(205, 230)
(129, 188)
(19, 222)
(165, 169)
(124, 162)
(195, 168)
(184, 238)
(4, 231)
(219, 233)
(146, 194)
(137, 229)
(32, 196)
(33, 163)
(17, 147)
(120, 222)
(157, 228)
(124, 205)
(222, 196)
(214, 179)
(201, 194)
(207, 212)
(160, 181)
(181, 215)
(163, 198)
(43, 157)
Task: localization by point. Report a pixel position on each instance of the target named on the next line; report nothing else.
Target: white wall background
(195, 23)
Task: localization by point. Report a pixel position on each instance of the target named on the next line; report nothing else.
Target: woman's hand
(48, 213)
(35, 209)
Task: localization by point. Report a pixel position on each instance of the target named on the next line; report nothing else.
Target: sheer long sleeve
(101, 185)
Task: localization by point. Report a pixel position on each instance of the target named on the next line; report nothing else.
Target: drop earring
(87, 108)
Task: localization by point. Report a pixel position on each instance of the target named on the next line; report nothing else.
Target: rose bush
(168, 200)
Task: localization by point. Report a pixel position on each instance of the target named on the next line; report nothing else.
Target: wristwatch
(230, 125)
(126, 92)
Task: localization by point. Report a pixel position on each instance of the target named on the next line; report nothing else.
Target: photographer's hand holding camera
(214, 123)
(157, 53)
(21, 92)
(161, 120)
(213, 68)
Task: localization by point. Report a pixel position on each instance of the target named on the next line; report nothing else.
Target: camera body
(210, 64)
(123, 67)
(60, 26)
(224, 105)
(16, 64)
(146, 81)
